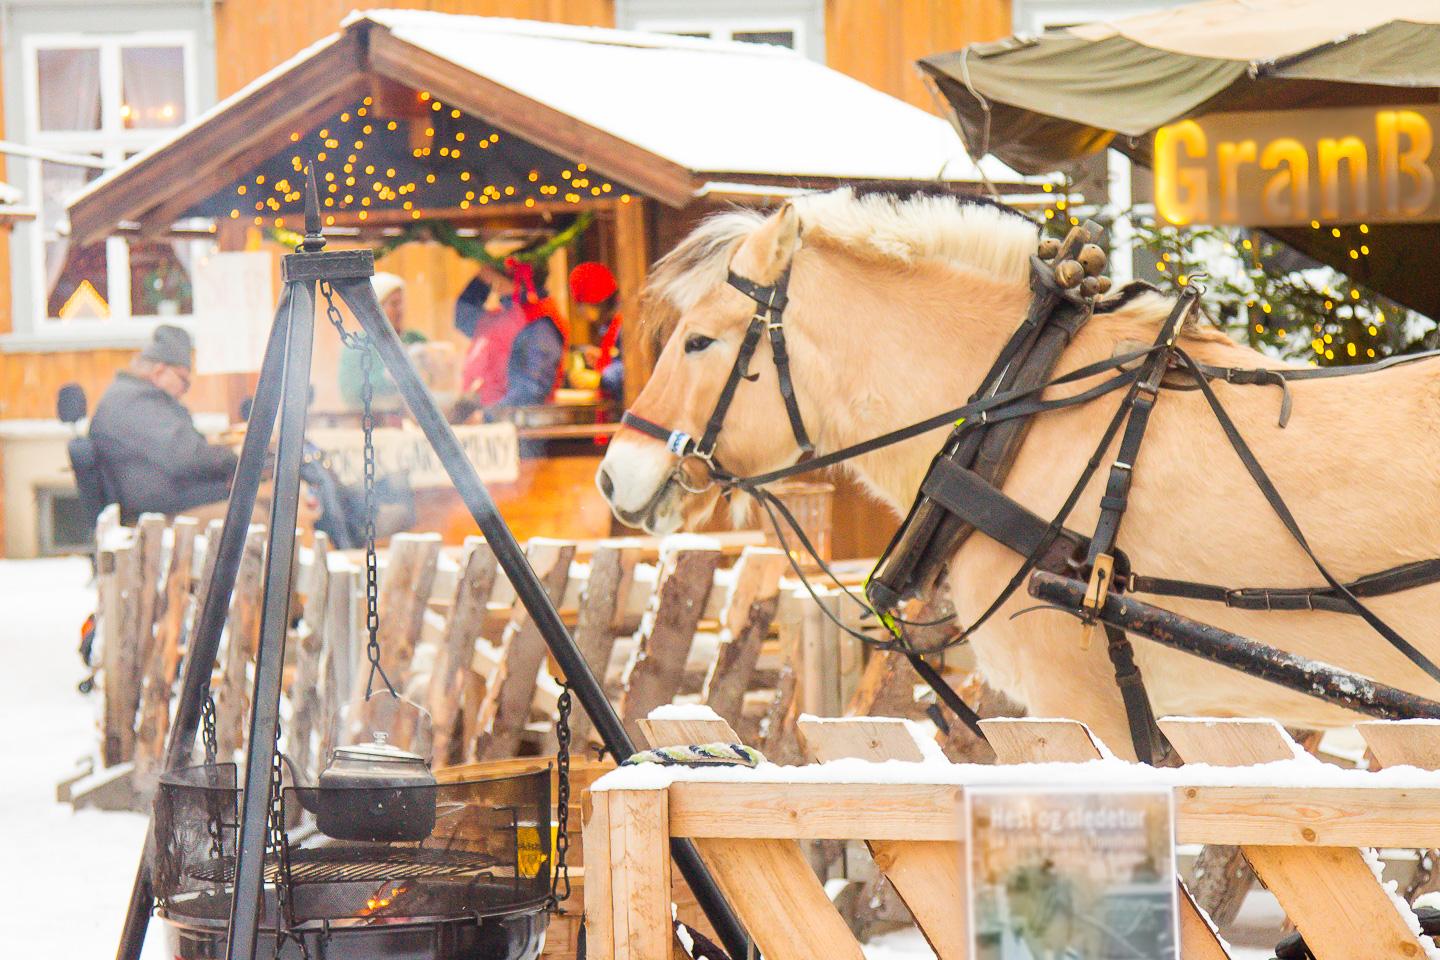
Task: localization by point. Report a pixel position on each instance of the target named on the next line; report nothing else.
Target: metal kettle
(376, 792)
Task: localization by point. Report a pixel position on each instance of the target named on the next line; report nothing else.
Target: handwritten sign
(1292, 167)
(492, 448)
(1084, 874)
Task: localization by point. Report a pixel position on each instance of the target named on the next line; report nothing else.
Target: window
(796, 24)
(102, 98)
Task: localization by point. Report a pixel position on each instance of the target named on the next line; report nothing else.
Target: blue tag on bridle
(678, 443)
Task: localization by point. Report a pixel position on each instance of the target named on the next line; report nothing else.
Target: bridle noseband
(770, 303)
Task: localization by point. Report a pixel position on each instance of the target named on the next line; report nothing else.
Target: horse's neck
(921, 346)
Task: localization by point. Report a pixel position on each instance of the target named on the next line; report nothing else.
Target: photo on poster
(1071, 874)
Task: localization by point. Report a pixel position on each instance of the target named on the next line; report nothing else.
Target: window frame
(112, 142)
(729, 25)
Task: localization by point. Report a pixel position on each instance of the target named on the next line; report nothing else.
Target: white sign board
(492, 448)
(234, 307)
(1084, 874)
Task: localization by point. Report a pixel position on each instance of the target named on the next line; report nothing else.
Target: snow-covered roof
(710, 106)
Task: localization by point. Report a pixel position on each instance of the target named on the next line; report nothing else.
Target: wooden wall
(878, 41)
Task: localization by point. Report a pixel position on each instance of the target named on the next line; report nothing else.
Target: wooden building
(76, 305)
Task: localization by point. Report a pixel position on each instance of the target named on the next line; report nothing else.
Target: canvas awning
(657, 115)
(1042, 103)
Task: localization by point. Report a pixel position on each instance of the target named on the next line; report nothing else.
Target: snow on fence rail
(1300, 824)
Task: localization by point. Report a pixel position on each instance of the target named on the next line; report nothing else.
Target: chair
(91, 481)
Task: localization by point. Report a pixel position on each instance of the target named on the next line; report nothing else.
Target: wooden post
(135, 566)
(404, 591)
(1407, 744)
(305, 690)
(114, 567)
(658, 665)
(337, 654)
(457, 648)
(511, 687)
(744, 624)
(640, 875)
(599, 897)
(242, 642)
(150, 536)
(1329, 892)
(602, 607)
(164, 658)
(768, 882)
(1066, 741)
(929, 875)
(632, 262)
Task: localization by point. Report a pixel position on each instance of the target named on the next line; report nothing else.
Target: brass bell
(1092, 258)
(1090, 286)
(1069, 273)
(1049, 247)
(1102, 284)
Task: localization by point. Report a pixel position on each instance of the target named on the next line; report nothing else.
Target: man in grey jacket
(147, 442)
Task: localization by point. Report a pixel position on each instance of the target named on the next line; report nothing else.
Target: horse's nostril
(607, 486)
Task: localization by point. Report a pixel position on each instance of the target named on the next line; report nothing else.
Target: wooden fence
(708, 620)
(1301, 838)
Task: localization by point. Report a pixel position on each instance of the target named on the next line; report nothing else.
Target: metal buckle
(1101, 578)
(683, 479)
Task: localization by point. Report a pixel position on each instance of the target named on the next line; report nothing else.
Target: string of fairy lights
(1323, 317)
(397, 169)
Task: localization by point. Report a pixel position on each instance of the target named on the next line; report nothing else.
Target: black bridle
(769, 317)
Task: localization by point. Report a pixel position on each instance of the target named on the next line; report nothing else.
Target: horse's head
(657, 481)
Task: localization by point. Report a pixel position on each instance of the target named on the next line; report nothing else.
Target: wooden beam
(226, 145)
(457, 647)
(929, 876)
(242, 642)
(768, 882)
(164, 657)
(532, 120)
(599, 897)
(305, 691)
(654, 674)
(1068, 741)
(640, 874)
(1397, 744)
(511, 687)
(1326, 887)
(632, 266)
(744, 624)
(602, 608)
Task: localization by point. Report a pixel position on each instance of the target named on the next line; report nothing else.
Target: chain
(279, 845)
(208, 736)
(214, 823)
(561, 878)
(361, 342)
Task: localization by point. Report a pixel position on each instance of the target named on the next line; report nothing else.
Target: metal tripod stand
(281, 395)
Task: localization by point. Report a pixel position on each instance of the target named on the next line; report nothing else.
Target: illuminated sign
(1283, 168)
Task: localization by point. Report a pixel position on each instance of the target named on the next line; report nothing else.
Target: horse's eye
(697, 342)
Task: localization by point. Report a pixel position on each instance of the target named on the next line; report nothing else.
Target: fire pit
(477, 886)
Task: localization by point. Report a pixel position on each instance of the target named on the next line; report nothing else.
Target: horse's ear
(768, 250)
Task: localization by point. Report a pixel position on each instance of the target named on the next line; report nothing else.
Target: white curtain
(69, 88)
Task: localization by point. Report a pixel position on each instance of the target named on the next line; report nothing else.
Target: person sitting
(146, 439)
(517, 348)
(390, 291)
(596, 296)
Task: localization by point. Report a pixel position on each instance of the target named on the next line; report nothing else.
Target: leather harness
(961, 491)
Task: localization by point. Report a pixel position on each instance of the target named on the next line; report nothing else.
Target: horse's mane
(907, 227)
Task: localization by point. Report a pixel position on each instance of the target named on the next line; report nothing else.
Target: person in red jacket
(595, 294)
(516, 350)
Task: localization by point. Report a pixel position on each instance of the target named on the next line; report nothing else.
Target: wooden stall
(431, 135)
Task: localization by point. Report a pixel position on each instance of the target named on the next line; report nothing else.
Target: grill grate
(338, 864)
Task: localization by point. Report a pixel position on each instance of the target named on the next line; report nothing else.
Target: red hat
(591, 282)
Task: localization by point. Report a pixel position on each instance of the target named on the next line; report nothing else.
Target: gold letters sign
(1284, 168)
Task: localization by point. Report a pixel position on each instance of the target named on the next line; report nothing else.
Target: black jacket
(152, 453)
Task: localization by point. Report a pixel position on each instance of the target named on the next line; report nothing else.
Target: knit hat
(386, 284)
(591, 282)
(169, 345)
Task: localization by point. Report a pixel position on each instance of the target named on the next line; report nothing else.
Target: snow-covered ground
(70, 873)
(75, 869)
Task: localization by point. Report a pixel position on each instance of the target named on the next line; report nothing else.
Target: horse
(897, 307)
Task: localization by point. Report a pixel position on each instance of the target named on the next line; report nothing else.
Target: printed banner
(1078, 875)
(492, 448)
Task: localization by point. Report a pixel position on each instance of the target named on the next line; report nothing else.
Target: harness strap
(787, 388)
(1277, 504)
(1006, 521)
(738, 371)
(1151, 746)
(1407, 576)
(677, 442)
